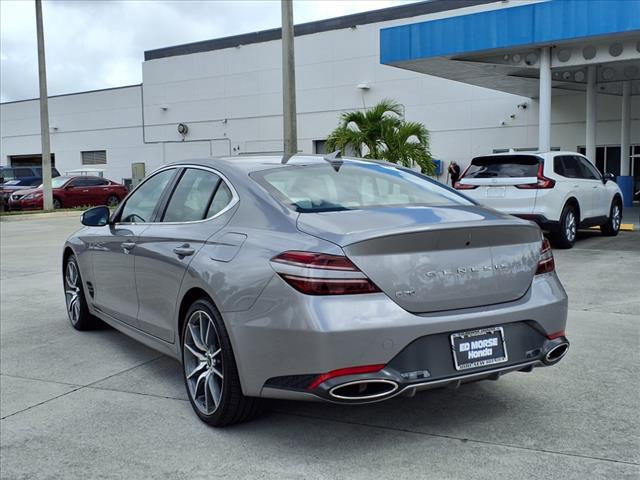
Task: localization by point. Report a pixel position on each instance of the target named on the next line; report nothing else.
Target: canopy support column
(544, 116)
(591, 114)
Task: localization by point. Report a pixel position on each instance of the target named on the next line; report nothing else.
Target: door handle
(184, 251)
(127, 246)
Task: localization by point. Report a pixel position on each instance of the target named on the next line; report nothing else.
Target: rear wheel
(77, 309)
(210, 372)
(112, 201)
(612, 226)
(565, 236)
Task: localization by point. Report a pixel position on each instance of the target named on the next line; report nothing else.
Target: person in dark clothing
(454, 172)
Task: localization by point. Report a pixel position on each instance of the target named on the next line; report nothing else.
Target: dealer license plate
(478, 348)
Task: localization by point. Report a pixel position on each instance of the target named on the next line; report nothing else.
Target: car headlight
(29, 197)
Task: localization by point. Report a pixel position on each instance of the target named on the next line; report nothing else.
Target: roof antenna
(335, 159)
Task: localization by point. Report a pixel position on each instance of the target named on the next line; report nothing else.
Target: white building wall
(231, 100)
(108, 120)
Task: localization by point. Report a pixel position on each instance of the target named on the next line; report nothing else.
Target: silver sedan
(315, 278)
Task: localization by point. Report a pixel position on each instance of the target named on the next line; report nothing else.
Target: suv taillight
(464, 186)
(543, 182)
(321, 274)
(546, 264)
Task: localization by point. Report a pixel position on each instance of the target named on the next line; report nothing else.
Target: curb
(36, 216)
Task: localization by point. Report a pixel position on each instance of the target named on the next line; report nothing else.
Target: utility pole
(47, 197)
(288, 80)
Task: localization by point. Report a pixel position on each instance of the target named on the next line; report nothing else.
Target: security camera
(523, 105)
(502, 123)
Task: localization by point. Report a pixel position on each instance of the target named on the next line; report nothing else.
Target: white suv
(561, 191)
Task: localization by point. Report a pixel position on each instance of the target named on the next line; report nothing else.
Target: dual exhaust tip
(364, 390)
(556, 352)
(378, 388)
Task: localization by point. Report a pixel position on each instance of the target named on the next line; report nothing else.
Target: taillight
(342, 372)
(321, 274)
(464, 186)
(543, 182)
(546, 264)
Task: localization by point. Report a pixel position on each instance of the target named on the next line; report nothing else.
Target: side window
(558, 166)
(588, 171)
(192, 197)
(23, 172)
(94, 182)
(570, 167)
(220, 200)
(142, 203)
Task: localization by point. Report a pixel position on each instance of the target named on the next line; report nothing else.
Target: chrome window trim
(234, 195)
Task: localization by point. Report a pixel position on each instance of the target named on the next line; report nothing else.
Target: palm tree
(381, 133)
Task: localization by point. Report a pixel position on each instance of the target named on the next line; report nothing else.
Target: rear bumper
(543, 222)
(296, 337)
(427, 357)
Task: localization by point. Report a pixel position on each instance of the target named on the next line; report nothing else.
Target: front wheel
(57, 204)
(565, 236)
(77, 310)
(612, 225)
(113, 201)
(210, 372)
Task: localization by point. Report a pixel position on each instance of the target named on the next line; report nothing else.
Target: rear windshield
(503, 166)
(319, 188)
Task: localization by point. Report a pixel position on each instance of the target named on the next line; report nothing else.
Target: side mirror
(96, 217)
(69, 187)
(608, 176)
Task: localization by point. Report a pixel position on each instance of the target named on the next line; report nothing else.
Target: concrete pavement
(98, 405)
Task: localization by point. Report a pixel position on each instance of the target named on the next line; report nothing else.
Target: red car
(71, 192)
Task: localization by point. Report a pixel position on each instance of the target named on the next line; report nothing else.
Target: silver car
(315, 278)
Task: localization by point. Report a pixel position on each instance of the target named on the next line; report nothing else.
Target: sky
(100, 44)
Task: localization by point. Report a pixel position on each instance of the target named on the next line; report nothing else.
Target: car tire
(77, 309)
(565, 235)
(113, 201)
(209, 369)
(57, 204)
(612, 225)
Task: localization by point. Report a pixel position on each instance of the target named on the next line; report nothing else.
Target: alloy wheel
(56, 204)
(203, 362)
(616, 217)
(113, 201)
(570, 226)
(72, 291)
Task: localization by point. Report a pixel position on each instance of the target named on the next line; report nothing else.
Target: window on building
(94, 157)
(608, 157)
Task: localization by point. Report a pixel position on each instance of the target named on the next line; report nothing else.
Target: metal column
(625, 127)
(625, 180)
(47, 195)
(544, 117)
(288, 81)
(591, 114)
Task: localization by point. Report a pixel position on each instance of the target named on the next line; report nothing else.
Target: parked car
(71, 192)
(338, 280)
(561, 191)
(7, 188)
(17, 173)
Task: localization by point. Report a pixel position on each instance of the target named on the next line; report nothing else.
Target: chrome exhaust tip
(556, 353)
(364, 390)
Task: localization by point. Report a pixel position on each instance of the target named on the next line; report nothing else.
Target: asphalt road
(98, 405)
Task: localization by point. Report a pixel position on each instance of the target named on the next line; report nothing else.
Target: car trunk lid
(435, 259)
